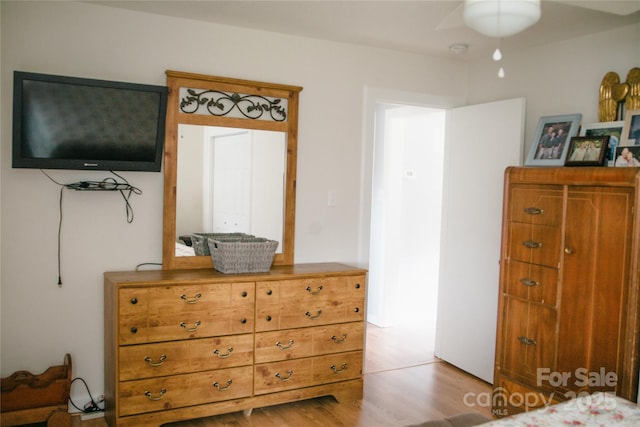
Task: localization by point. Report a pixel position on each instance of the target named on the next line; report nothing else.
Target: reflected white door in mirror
(229, 180)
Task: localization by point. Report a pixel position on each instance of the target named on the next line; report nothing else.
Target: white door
(482, 140)
(232, 183)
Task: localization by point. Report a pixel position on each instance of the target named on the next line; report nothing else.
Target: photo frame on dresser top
(613, 129)
(631, 128)
(587, 150)
(627, 156)
(550, 141)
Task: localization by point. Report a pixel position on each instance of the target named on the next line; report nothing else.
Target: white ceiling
(417, 26)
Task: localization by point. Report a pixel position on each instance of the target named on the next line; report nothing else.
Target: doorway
(406, 206)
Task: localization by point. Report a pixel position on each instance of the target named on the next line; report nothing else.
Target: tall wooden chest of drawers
(182, 344)
(569, 299)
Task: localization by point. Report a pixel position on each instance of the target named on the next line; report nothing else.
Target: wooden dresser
(568, 320)
(183, 344)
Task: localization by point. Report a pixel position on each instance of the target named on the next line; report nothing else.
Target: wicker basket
(201, 245)
(242, 255)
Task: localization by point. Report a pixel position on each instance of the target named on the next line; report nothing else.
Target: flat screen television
(62, 122)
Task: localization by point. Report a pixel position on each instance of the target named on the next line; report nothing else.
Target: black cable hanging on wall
(107, 184)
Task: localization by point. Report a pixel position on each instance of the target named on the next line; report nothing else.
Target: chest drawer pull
(335, 370)
(151, 363)
(339, 340)
(284, 379)
(527, 340)
(312, 317)
(284, 347)
(191, 300)
(534, 211)
(529, 282)
(223, 355)
(151, 397)
(312, 292)
(532, 244)
(192, 329)
(222, 388)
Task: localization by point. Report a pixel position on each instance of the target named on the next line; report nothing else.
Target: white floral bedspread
(597, 410)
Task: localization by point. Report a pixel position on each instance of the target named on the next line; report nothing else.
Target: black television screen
(64, 122)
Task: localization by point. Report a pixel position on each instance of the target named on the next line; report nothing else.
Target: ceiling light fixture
(501, 18)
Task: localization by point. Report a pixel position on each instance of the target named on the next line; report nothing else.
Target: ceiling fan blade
(452, 20)
(615, 7)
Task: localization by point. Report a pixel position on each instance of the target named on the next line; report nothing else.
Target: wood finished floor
(404, 384)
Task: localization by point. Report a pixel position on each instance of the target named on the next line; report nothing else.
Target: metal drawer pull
(150, 361)
(193, 329)
(568, 250)
(191, 300)
(532, 244)
(339, 340)
(284, 379)
(317, 316)
(335, 370)
(534, 211)
(222, 388)
(312, 292)
(150, 397)
(284, 347)
(529, 282)
(527, 340)
(225, 355)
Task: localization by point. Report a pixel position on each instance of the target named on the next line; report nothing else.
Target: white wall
(558, 79)
(40, 321)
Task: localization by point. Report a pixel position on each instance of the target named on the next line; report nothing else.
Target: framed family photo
(612, 129)
(587, 150)
(551, 140)
(627, 156)
(631, 128)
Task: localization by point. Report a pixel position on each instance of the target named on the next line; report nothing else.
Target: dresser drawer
(510, 398)
(165, 313)
(536, 244)
(309, 302)
(285, 375)
(337, 367)
(532, 282)
(297, 343)
(536, 204)
(284, 345)
(180, 357)
(529, 332)
(141, 396)
(355, 300)
(338, 338)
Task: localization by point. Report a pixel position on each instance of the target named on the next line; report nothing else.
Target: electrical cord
(147, 263)
(91, 406)
(107, 184)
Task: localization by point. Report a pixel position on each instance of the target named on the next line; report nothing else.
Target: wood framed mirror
(228, 141)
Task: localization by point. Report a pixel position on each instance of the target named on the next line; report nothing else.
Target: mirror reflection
(229, 180)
